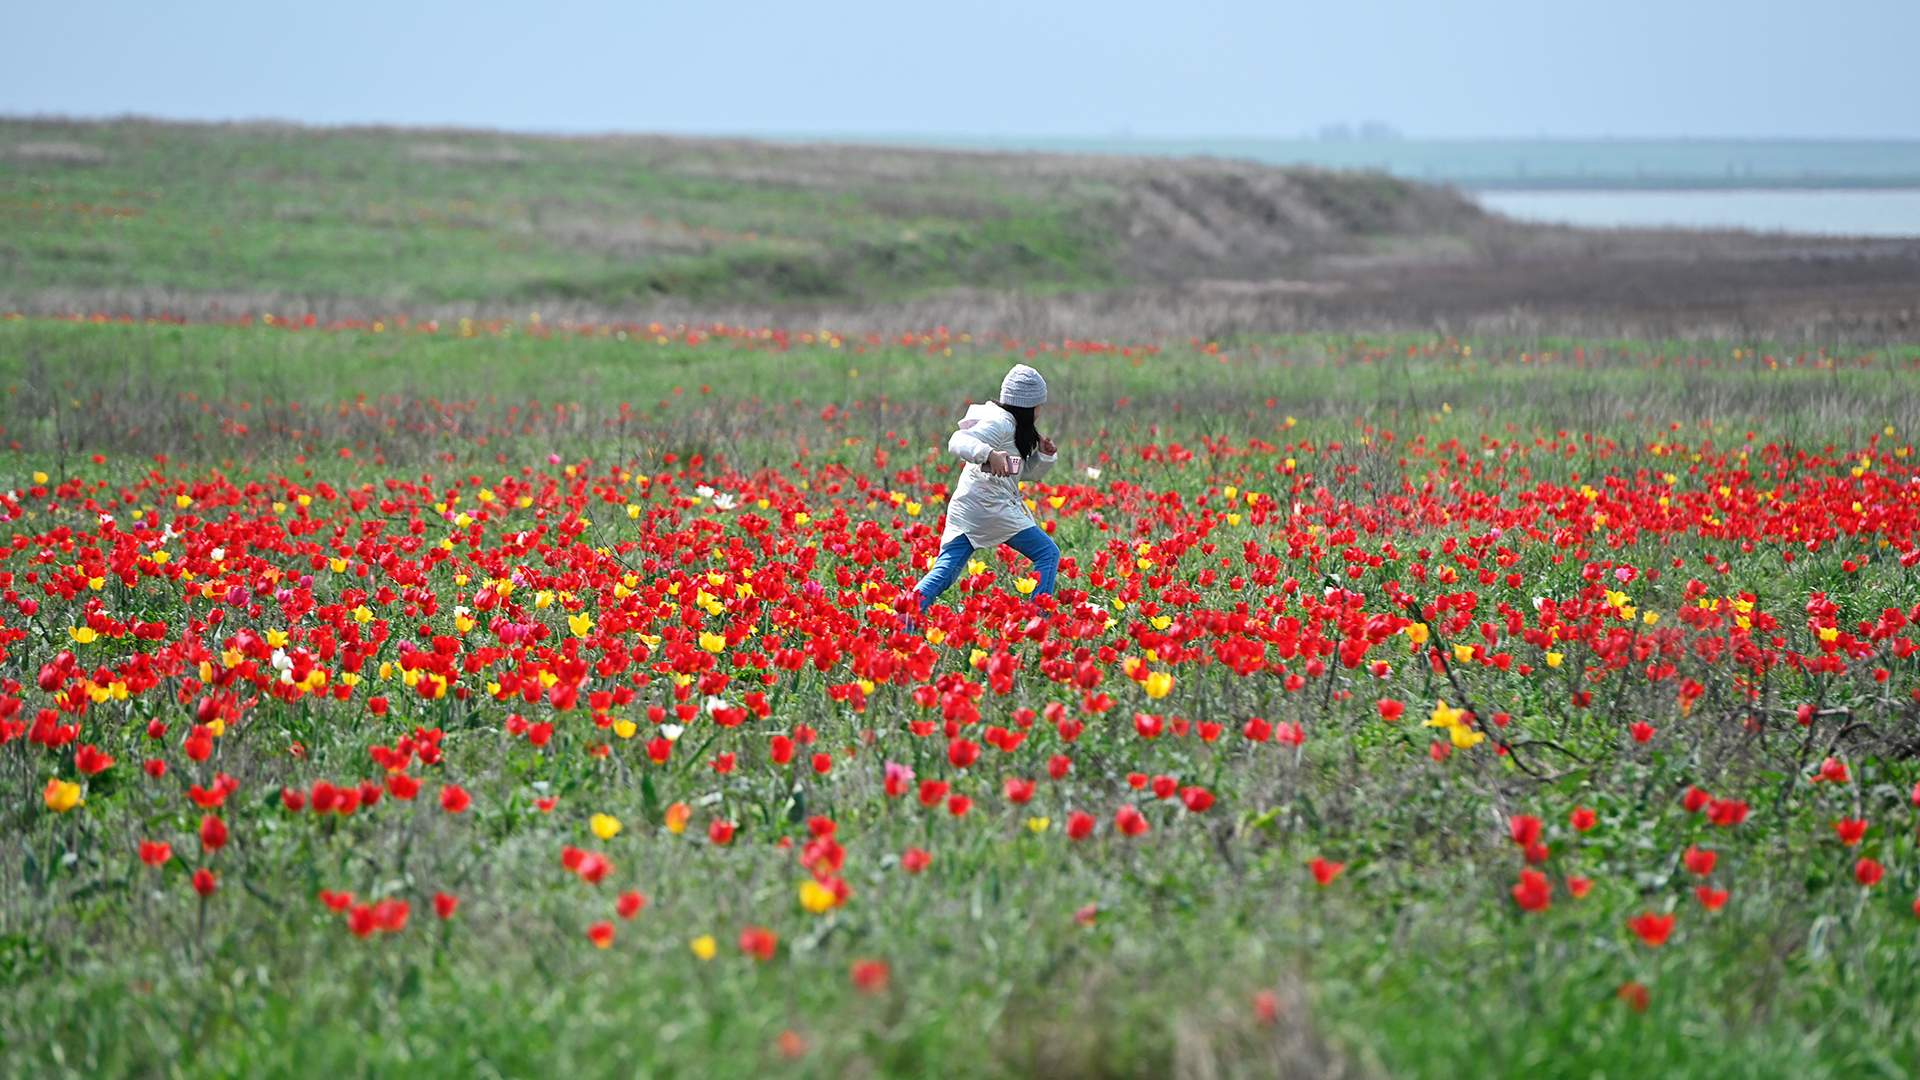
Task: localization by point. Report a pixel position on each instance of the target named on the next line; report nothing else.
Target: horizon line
(849, 135)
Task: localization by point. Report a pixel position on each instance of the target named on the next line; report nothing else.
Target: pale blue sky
(1840, 68)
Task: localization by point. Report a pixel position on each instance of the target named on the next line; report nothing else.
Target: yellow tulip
(1465, 738)
(61, 795)
(1445, 715)
(817, 898)
(703, 946)
(604, 826)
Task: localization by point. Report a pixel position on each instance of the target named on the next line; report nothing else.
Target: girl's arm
(1042, 460)
(967, 446)
(971, 443)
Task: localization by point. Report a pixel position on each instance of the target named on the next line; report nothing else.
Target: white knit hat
(1023, 386)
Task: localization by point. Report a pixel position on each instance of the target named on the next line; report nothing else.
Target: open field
(447, 627)
(525, 699)
(211, 221)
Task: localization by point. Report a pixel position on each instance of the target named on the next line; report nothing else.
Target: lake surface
(1847, 212)
(1833, 187)
(1528, 164)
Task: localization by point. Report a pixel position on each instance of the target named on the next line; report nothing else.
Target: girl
(1001, 446)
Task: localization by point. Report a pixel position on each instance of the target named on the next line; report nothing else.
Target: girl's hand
(1047, 447)
(998, 465)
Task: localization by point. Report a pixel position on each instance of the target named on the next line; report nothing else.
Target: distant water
(1846, 212)
(1528, 164)
(1849, 187)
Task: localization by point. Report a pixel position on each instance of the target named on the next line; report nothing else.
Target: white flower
(715, 704)
(723, 501)
(703, 491)
(672, 731)
(218, 554)
(1539, 602)
(1093, 473)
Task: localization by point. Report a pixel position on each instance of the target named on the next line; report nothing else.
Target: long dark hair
(1026, 435)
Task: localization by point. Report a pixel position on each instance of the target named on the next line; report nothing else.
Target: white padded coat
(987, 509)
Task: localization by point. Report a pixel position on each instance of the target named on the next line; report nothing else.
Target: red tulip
(1533, 893)
(870, 976)
(1079, 825)
(1700, 861)
(1651, 929)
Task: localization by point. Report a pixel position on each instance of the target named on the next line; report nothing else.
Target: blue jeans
(1033, 542)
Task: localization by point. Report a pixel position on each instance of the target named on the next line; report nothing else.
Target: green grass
(121, 386)
(418, 218)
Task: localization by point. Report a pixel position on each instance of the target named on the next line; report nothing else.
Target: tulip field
(501, 698)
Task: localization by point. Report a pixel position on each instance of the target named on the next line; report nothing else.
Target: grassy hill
(409, 218)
